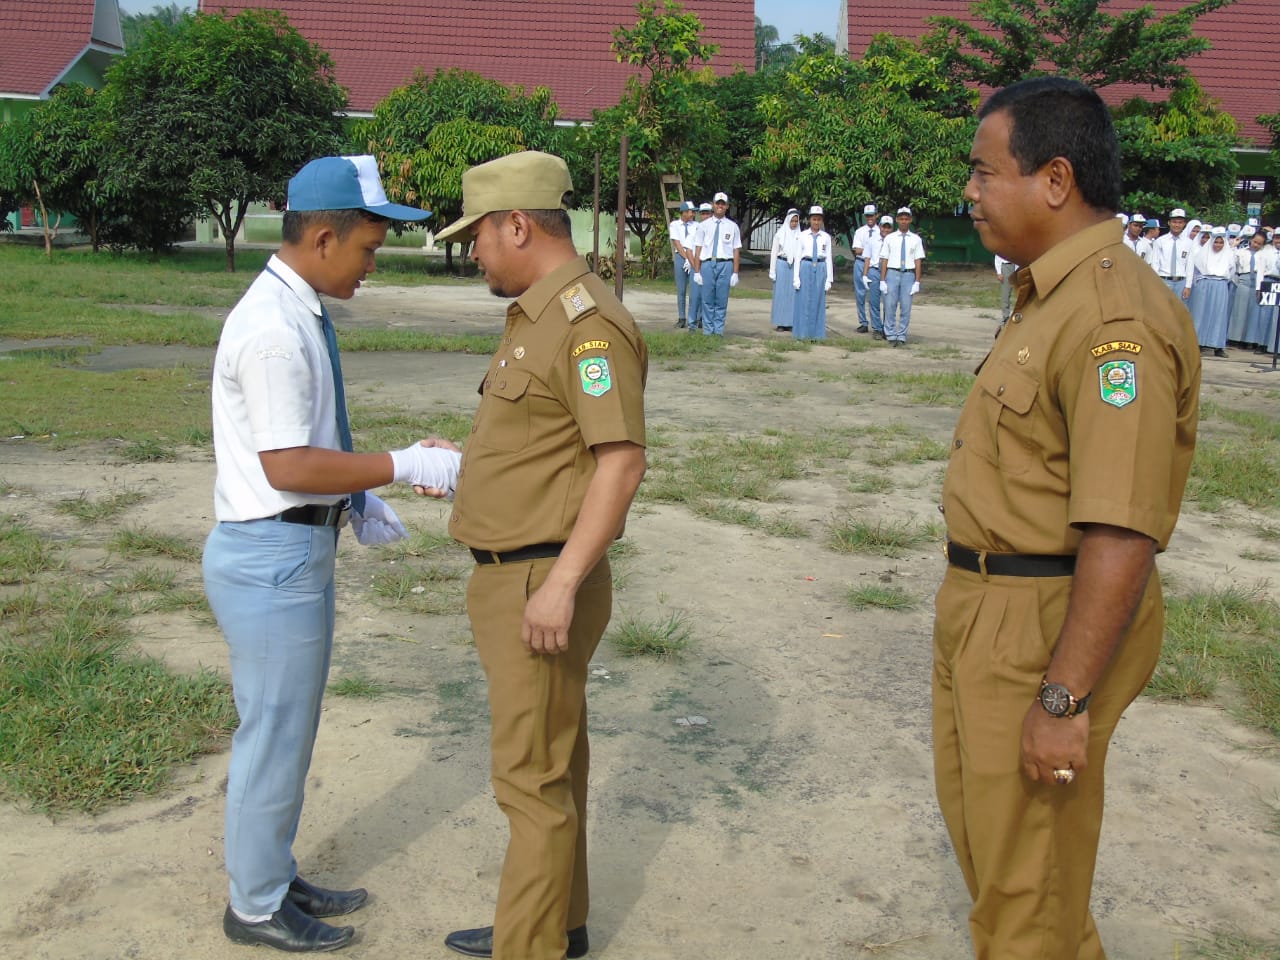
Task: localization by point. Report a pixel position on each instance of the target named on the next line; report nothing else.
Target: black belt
(721, 259)
(1163, 277)
(316, 514)
(538, 551)
(1010, 564)
(815, 259)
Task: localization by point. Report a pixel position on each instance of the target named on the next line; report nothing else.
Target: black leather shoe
(479, 942)
(318, 902)
(681, 324)
(288, 929)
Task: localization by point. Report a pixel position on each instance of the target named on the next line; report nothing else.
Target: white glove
(796, 283)
(733, 280)
(378, 524)
(688, 268)
(826, 287)
(866, 282)
(427, 466)
(915, 288)
(697, 278)
(884, 286)
(773, 276)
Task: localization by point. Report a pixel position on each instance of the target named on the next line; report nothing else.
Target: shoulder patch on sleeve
(1102, 349)
(577, 302)
(590, 345)
(1118, 382)
(595, 376)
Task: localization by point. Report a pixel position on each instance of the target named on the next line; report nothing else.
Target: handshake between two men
(431, 466)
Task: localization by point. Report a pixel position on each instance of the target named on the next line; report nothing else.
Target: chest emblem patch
(518, 353)
(594, 372)
(573, 297)
(1024, 354)
(1118, 382)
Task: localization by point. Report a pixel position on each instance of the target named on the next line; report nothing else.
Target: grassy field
(1229, 637)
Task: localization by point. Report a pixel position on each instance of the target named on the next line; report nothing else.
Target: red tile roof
(1239, 70)
(377, 45)
(42, 38)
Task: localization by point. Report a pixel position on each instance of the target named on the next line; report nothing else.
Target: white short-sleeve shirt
(893, 251)
(272, 390)
(730, 239)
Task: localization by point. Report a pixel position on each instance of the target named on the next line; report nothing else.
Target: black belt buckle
(317, 514)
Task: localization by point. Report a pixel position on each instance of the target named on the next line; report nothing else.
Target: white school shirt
(893, 249)
(861, 238)
(1171, 256)
(272, 389)
(814, 246)
(676, 231)
(729, 240)
(1143, 249)
(874, 245)
(1268, 265)
(1243, 253)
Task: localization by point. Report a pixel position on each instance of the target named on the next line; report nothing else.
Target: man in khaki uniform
(1066, 475)
(555, 456)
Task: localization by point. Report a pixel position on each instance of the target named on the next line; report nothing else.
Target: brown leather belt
(316, 514)
(538, 551)
(1010, 564)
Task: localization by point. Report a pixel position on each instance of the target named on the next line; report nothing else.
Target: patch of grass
(883, 598)
(150, 409)
(851, 344)
(433, 590)
(138, 542)
(358, 686)
(881, 538)
(1242, 469)
(23, 554)
(1229, 634)
(936, 389)
(660, 639)
(146, 579)
(789, 345)
(943, 352)
(871, 483)
(458, 709)
(423, 543)
(749, 366)
(85, 722)
(88, 510)
(385, 427)
(1259, 556)
(910, 449)
(673, 345)
(1232, 946)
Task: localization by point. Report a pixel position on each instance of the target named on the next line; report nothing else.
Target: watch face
(1056, 699)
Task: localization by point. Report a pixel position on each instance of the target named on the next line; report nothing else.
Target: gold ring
(1064, 775)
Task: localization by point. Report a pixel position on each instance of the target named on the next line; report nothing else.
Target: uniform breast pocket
(505, 425)
(1010, 395)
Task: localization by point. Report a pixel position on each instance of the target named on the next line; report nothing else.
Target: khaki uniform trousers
(540, 755)
(1027, 850)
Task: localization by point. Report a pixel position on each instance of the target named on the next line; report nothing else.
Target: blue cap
(687, 205)
(346, 183)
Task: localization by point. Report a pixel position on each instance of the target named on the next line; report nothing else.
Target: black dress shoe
(479, 942)
(288, 929)
(861, 329)
(318, 902)
(681, 323)
(1219, 352)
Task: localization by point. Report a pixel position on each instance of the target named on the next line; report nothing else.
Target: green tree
(135, 25)
(840, 133)
(737, 97)
(428, 132)
(666, 112)
(1013, 39)
(60, 146)
(213, 115)
(1178, 153)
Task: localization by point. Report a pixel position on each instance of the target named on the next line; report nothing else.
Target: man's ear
(521, 228)
(321, 240)
(1059, 179)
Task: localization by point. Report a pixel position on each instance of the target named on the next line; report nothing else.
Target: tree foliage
(1178, 153)
(772, 52)
(214, 114)
(60, 145)
(428, 132)
(135, 25)
(666, 112)
(1014, 39)
(843, 133)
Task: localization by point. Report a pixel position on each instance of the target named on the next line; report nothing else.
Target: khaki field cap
(519, 181)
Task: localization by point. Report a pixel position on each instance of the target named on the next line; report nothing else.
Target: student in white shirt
(861, 243)
(1207, 290)
(813, 276)
(1171, 253)
(901, 266)
(782, 261)
(715, 263)
(681, 232)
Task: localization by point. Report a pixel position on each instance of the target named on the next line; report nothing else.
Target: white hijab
(789, 247)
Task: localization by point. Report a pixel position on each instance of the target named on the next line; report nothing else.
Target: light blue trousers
(875, 310)
(715, 294)
(860, 289)
(270, 586)
(683, 283)
(897, 304)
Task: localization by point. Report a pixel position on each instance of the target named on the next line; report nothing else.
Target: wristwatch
(1058, 701)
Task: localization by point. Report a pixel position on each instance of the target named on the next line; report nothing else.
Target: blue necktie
(339, 397)
(902, 259)
(715, 242)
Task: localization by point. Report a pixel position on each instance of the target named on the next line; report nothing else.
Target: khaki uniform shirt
(1084, 411)
(570, 374)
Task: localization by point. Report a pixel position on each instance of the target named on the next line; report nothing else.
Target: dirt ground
(797, 821)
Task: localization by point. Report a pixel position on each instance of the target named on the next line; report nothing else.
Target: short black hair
(1058, 117)
(554, 223)
(343, 222)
